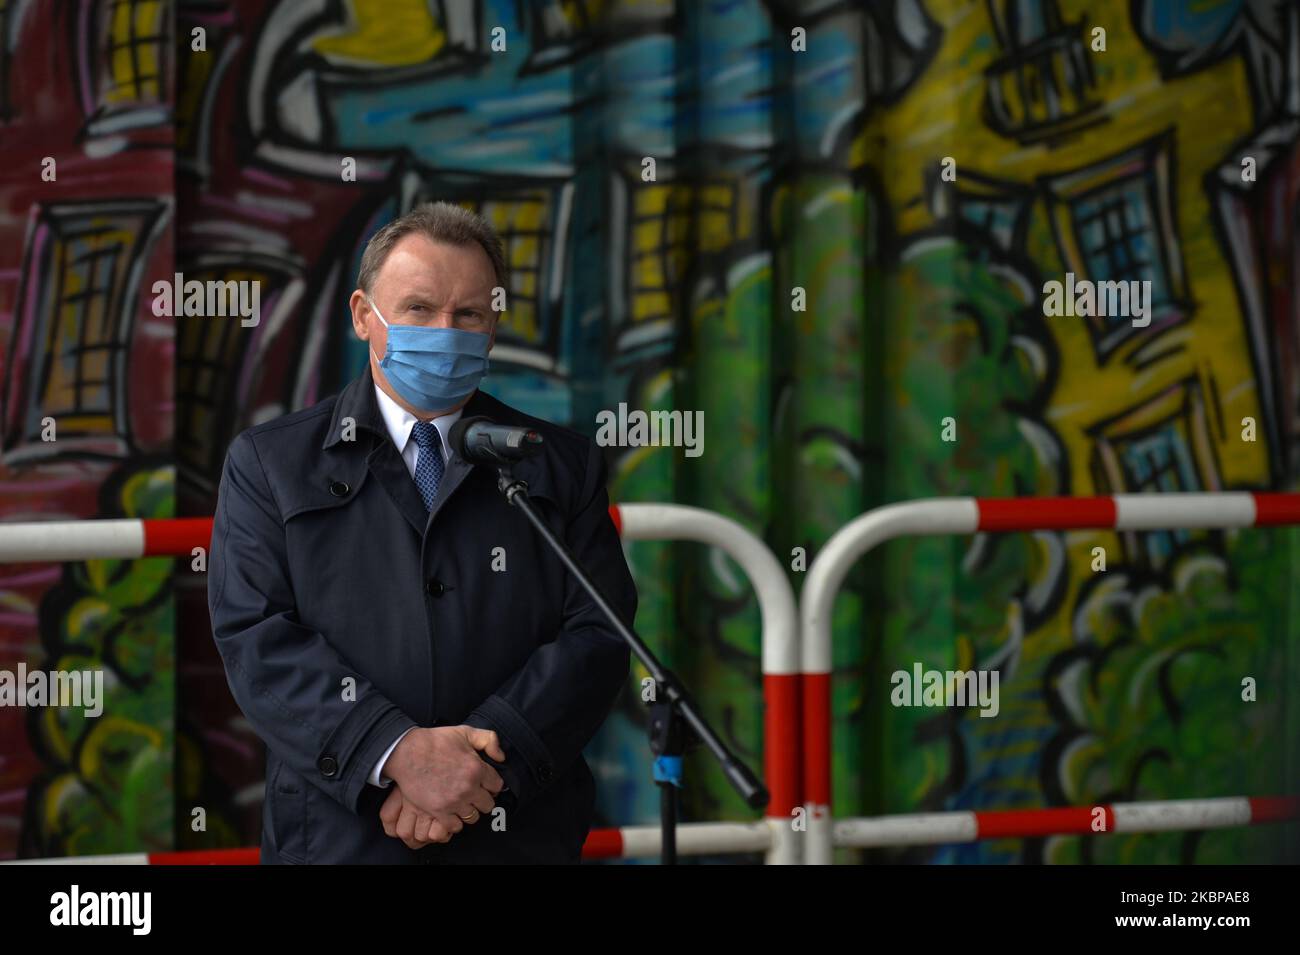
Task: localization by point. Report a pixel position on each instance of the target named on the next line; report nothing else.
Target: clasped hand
(440, 784)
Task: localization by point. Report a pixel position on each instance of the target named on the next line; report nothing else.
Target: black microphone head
(481, 440)
(456, 436)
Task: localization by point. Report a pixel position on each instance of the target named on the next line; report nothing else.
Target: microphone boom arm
(678, 704)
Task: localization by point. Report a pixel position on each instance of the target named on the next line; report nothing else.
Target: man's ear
(358, 304)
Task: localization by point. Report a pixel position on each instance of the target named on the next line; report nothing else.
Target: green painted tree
(108, 787)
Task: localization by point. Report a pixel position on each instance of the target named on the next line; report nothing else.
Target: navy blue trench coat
(345, 613)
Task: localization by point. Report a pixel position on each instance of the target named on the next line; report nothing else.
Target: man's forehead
(420, 253)
(436, 270)
(434, 291)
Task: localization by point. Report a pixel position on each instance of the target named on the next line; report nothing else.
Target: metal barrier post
(969, 515)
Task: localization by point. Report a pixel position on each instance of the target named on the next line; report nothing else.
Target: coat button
(339, 488)
(544, 772)
(328, 766)
(435, 587)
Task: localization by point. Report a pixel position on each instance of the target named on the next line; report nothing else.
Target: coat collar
(357, 401)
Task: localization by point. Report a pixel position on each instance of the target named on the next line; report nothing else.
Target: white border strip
(698, 838)
(1182, 814)
(1154, 512)
(908, 830)
(71, 540)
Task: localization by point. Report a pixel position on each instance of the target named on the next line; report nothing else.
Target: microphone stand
(675, 721)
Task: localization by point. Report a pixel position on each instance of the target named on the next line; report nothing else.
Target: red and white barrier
(627, 842)
(969, 516)
(780, 646)
(938, 828)
(125, 539)
(132, 539)
(792, 671)
(197, 857)
(935, 828)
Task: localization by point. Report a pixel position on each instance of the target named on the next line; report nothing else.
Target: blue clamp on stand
(668, 769)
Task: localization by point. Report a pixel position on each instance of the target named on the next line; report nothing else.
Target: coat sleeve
(286, 677)
(551, 708)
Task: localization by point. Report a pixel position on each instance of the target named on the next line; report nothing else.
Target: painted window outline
(1151, 163)
(42, 295)
(197, 459)
(1180, 407)
(977, 201)
(97, 28)
(684, 210)
(1055, 41)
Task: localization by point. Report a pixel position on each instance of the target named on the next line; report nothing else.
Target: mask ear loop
(380, 316)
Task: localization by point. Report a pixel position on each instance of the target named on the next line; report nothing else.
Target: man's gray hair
(441, 222)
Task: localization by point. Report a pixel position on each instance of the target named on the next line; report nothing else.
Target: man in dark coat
(423, 671)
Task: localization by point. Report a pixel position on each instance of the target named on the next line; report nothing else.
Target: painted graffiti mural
(827, 226)
(86, 218)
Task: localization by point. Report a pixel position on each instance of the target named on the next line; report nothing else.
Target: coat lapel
(388, 468)
(456, 471)
(358, 403)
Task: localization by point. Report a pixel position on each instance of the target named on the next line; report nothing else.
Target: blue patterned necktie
(428, 463)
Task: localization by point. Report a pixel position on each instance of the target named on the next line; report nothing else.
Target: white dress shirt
(400, 422)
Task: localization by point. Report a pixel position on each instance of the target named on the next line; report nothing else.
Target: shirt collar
(399, 422)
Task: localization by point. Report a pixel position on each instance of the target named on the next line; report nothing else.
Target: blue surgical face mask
(433, 368)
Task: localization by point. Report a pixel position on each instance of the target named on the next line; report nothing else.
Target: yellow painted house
(1086, 160)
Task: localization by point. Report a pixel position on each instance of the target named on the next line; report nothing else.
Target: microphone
(481, 440)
